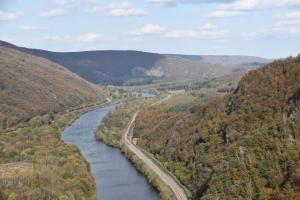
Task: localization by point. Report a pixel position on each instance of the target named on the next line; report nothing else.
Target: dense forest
(35, 164)
(244, 145)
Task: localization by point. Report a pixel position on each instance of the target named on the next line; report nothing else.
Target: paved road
(178, 191)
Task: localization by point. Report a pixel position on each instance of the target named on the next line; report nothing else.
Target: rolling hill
(34, 86)
(117, 67)
(245, 145)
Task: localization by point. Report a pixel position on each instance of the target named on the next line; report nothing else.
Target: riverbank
(36, 164)
(111, 132)
(115, 176)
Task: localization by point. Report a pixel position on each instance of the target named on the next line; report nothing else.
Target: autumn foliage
(244, 145)
(31, 86)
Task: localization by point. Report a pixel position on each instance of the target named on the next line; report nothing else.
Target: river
(116, 178)
(148, 94)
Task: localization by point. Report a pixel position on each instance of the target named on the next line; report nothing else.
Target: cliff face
(241, 146)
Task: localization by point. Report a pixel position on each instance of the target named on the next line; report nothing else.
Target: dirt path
(178, 191)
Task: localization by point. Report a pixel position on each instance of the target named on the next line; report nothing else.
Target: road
(167, 179)
(162, 100)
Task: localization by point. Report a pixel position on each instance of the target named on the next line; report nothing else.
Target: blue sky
(267, 28)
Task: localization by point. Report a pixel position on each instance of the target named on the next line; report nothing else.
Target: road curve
(167, 179)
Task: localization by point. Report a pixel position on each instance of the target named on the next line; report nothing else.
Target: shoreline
(166, 193)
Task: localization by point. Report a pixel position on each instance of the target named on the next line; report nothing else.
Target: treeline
(191, 85)
(115, 123)
(244, 145)
(222, 84)
(140, 81)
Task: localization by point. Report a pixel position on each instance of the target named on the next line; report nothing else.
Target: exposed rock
(231, 106)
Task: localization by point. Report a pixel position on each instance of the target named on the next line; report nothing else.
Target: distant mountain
(245, 145)
(117, 67)
(225, 60)
(30, 86)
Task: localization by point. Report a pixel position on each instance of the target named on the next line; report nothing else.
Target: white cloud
(273, 32)
(294, 31)
(208, 31)
(63, 7)
(290, 19)
(182, 34)
(6, 16)
(71, 39)
(293, 16)
(240, 7)
(162, 2)
(88, 37)
(208, 26)
(225, 13)
(53, 12)
(287, 23)
(196, 34)
(149, 29)
(125, 10)
(94, 6)
(177, 2)
(32, 28)
(258, 4)
(64, 2)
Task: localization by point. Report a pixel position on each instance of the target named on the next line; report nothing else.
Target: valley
(150, 100)
(232, 134)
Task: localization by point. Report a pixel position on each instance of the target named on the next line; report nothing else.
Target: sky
(265, 28)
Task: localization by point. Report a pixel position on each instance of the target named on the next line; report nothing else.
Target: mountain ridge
(31, 86)
(118, 66)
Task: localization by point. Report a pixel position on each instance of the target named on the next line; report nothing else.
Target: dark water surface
(116, 178)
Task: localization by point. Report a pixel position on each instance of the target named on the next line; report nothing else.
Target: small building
(135, 141)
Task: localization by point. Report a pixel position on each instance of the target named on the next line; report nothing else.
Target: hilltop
(119, 67)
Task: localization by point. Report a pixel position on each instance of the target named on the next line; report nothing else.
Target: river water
(148, 94)
(116, 178)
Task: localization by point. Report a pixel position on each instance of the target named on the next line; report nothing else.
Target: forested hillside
(35, 86)
(244, 145)
(120, 67)
(38, 98)
(35, 164)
